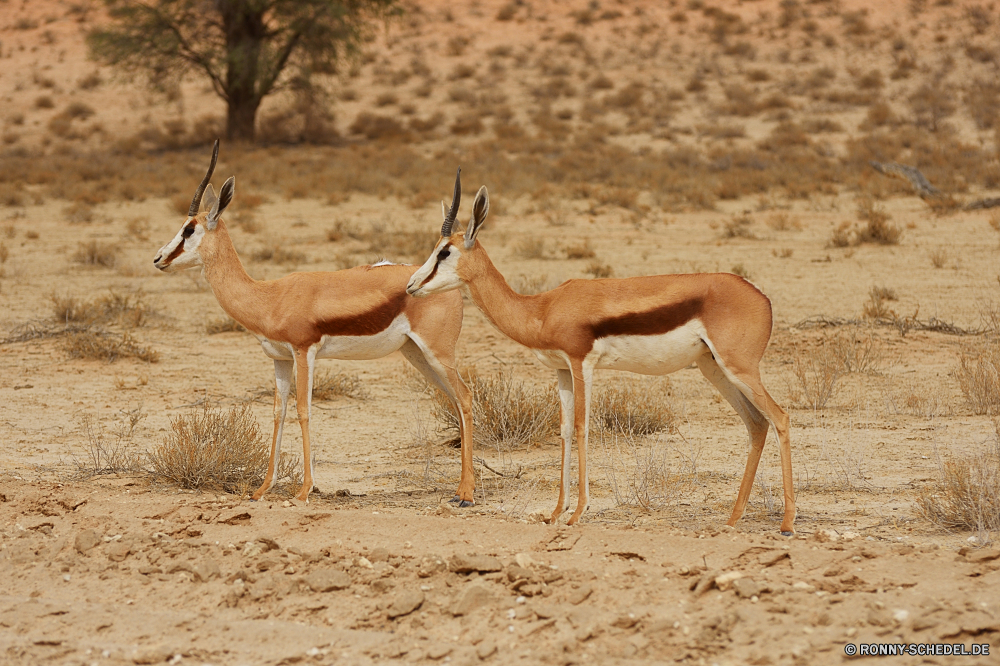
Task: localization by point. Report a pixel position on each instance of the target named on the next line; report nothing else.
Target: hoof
(466, 503)
(455, 500)
(788, 534)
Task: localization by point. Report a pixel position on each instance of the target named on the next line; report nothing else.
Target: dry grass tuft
(278, 255)
(122, 308)
(508, 414)
(101, 345)
(967, 495)
(328, 385)
(215, 449)
(815, 374)
(114, 453)
(224, 325)
(639, 474)
(95, 253)
(978, 375)
(633, 408)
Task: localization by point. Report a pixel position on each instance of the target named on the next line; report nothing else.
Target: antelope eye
(443, 254)
(187, 232)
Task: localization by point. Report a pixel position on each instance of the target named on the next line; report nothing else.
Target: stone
(472, 562)
(580, 594)
(983, 556)
(117, 551)
(325, 580)
(724, 581)
(206, 570)
(474, 596)
(379, 555)
(405, 603)
(430, 565)
(524, 560)
(748, 587)
(516, 572)
(154, 654)
(86, 540)
(773, 557)
(439, 651)
(486, 649)
(625, 621)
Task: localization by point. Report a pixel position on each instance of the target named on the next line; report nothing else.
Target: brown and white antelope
(359, 313)
(651, 325)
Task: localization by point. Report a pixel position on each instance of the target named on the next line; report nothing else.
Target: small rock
(983, 556)
(431, 565)
(405, 603)
(850, 536)
(253, 549)
(364, 563)
(706, 582)
(86, 540)
(772, 558)
(524, 560)
(826, 536)
(206, 570)
(486, 649)
(580, 594)
(151, 655)
(803, 586)
(325, 580)
(379, 555)
(724, 581)
(472, 562)
(543, 611)
(474, 596)
(516, 572)
(439, 651)
(747, 588)
(625, 621)
(117, 551)
(900, 615)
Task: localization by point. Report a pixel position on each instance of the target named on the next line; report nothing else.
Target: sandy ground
(112, 569)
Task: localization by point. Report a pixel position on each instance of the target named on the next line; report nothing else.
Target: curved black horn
(196, 201)
(449, 220)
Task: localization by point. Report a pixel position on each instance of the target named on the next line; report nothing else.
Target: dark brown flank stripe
(372, 322)
(653, 322)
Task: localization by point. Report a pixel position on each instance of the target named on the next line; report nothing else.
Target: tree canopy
(247, 49)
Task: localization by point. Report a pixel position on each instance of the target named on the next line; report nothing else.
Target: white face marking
(189, 255)
(439, 273)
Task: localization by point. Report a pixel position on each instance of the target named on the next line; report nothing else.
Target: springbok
(358, 313)
(651, 325)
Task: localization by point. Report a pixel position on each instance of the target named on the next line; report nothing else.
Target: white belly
(349, 347)
(651, 354)
(552, 358)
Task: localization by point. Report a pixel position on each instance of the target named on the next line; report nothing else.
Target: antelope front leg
(566, 419)
(581, 414)
(282, 386)
(304, 365)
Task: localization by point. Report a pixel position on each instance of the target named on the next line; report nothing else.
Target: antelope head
(184, 251)
(447, 266)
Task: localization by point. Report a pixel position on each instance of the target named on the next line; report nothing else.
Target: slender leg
(282, 386)
(566, 421)
(756, 429)
(305, 363)
(446, 378)
(583, 377)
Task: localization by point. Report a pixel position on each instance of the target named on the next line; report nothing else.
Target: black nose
(157, 260)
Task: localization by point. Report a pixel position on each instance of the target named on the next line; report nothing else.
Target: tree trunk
(241, 116)
(245, 33)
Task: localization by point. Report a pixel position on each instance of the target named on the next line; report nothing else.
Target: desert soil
(378, 567)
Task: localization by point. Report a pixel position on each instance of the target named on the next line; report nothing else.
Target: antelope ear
(480, 209)
(219, 205)
(209, 199)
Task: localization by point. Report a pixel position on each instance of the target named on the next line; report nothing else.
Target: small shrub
(966, 496)
(328, 385)
(114, 453)
(507, 414)
(95, 253)
(580, 251)
(215, 449)
(939, 257)
(530, 247)
(876, 307)
(815, 376)
(386, 99)
(596, 269)
(100, 345)
(738, 226)
(741, 270)
(633, 408)
(374, 126)
(44, 102)
(123, 308)
(224, 325)
(978, 375)
(278, 255)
